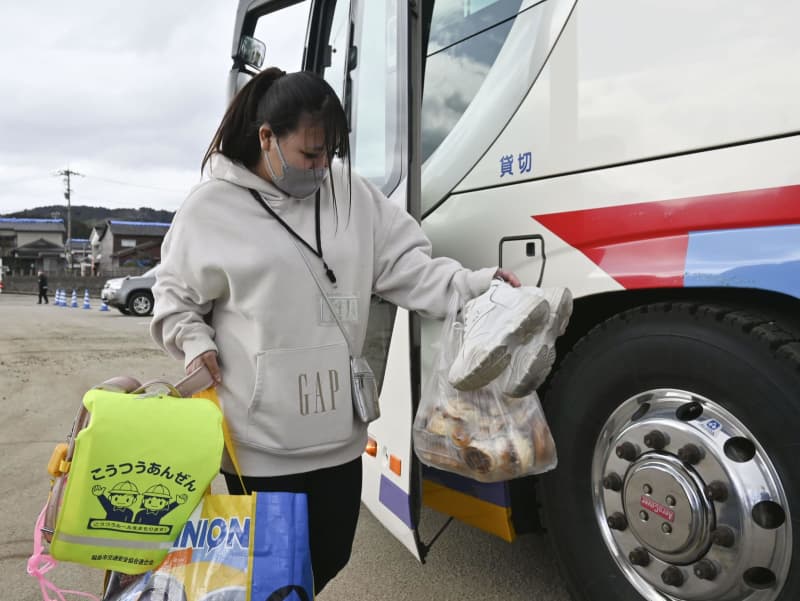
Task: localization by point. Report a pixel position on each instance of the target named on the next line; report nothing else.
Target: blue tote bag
(233, 548)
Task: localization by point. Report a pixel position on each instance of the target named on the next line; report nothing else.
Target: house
(81, 250)
(116, 245)
(29, 245)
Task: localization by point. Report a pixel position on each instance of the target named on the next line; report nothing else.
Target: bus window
(455, 20)
(283, 32)
(376, 98)
(334, 72)
(462, 48)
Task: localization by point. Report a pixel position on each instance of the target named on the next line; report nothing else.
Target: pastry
(544, 446)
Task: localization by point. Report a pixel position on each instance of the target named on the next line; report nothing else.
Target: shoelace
(39, 564)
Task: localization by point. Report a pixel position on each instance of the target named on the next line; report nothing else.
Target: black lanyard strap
(288, 228)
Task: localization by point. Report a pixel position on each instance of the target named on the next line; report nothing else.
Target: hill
(84, 218)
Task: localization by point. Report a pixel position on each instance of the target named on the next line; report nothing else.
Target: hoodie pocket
(301, 400)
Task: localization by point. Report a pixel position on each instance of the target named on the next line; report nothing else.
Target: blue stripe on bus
(496, 492)
(767, 258)
(396, 500)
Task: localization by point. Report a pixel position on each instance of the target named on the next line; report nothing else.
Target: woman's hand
(508, 276)
(209, 359)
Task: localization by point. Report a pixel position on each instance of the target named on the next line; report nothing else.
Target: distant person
(42, 280)
(233, 293)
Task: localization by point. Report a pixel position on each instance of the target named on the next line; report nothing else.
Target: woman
(234, 293)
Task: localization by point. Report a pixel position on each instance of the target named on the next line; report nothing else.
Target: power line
(11, 182)
(132, 185)
(27, 178)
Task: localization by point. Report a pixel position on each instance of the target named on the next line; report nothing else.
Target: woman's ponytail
(237, 135)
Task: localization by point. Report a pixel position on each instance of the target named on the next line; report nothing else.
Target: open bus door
(371, 54)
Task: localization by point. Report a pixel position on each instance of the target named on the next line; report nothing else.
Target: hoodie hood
(223, 168)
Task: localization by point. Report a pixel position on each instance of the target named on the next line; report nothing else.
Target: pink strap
(39, 564)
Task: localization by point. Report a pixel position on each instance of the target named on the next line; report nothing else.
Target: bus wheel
(676, 426)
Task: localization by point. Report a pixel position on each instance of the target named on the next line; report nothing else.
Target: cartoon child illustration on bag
(156, 504)
(117, 504)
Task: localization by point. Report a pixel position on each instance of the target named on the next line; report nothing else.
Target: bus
(644, 155)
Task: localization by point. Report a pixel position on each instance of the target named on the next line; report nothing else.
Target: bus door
(371, 54)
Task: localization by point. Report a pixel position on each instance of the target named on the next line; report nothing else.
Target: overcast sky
(127, 93)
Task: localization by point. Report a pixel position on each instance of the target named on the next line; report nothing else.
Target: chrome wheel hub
(688, 502)
(666, 508)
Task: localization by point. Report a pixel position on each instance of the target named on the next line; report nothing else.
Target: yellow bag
(137, 466)
(239, 547)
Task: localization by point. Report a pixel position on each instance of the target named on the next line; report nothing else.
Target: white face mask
(299, 183)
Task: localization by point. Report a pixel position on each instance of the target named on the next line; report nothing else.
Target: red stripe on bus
(644, 245)
(654, 263)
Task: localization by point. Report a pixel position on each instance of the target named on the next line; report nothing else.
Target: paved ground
(50, 356)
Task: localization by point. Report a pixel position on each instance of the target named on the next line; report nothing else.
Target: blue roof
(28, 220)
(142, 223)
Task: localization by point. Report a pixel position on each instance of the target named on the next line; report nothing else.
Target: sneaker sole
(536, 373)
(494, 361)
(491, 365)
(531, 323)
(540, 365)
(563, 311)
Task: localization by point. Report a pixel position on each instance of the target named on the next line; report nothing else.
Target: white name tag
(346, 308)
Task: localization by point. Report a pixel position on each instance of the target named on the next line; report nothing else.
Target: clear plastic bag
(482, 434)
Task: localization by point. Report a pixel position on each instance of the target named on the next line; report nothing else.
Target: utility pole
(67, 173)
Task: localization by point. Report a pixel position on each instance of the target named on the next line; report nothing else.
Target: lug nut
(627, 451)
(670, 500)
(612, 482)
(639, 557)
(656, 440)
(690, 454)
(643, 515)
(617, 521)
(647, 489)
(672, 576)
(666, 528)
(716, 491)
(705, 570)
(723, 536)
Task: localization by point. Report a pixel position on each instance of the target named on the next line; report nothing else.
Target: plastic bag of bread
(484, 434)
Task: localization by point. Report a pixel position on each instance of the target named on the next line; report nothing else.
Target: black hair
(280, 99)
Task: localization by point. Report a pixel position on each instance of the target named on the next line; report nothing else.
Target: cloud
(125, 91)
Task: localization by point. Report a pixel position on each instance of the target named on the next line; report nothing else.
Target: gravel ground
(50, 356)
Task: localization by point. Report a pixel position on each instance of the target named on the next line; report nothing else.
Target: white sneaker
(533, 361)
(496, 323)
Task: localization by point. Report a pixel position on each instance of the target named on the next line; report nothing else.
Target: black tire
(140, 303)
(123, 310)
(743, 361)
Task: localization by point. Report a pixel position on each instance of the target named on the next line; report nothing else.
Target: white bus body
(645, 155)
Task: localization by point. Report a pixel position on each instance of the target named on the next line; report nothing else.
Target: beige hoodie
(232, 280)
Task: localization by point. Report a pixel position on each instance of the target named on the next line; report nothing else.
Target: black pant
(334, 500)
(42, 295)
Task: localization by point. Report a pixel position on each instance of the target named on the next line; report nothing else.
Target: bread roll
(544, 446)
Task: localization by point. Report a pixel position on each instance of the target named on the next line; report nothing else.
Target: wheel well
(140, 290)
(590, 311)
